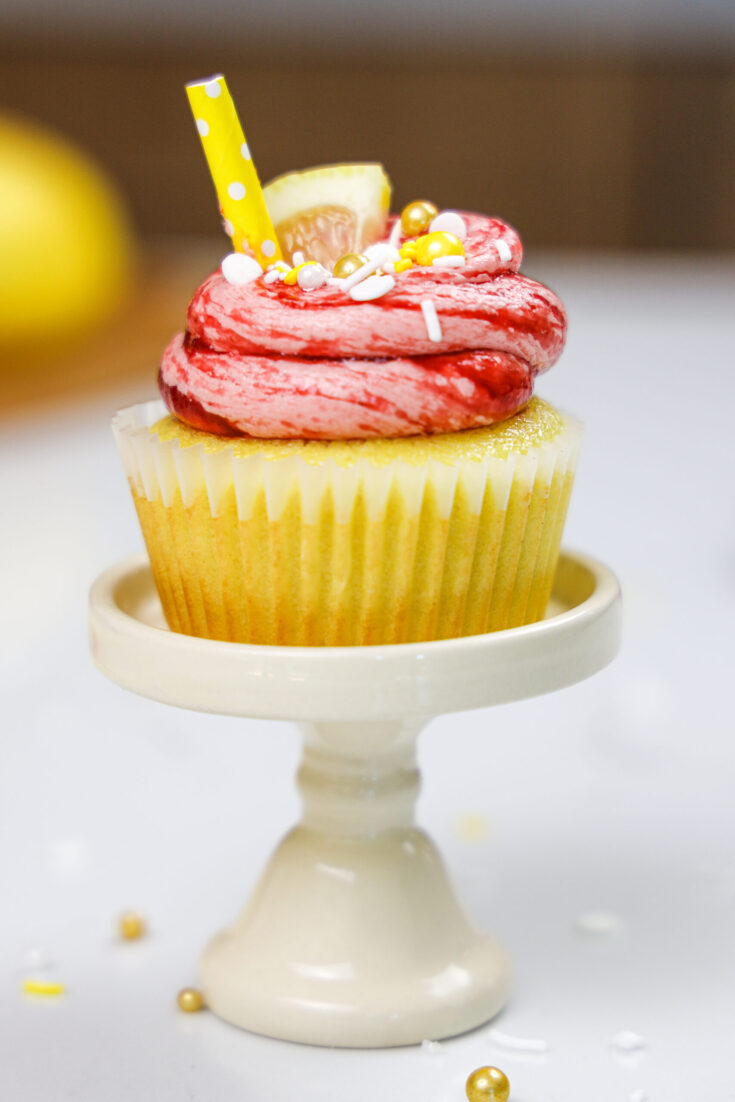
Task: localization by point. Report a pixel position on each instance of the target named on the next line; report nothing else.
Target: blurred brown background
(588, 125)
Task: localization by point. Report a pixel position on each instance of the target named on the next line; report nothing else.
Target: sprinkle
(310, 277)
(268, 248)
(628, 1041)
(236, 190)
(395, 234)
(297, 258)
(403, 265)
(37, 959)
(202, 127)
(362, 273)
(503, 251)
(432, 1048)
(239, 268)
(449, 221)
(517, 1044)
(408, 250)
(598, 924)
(274, 275)
(448, 262)
(638, 1096)
(374, 287)
(383, 250)
(433, 328)
(43, 987)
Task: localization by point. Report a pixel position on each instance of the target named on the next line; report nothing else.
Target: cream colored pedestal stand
(354, 936)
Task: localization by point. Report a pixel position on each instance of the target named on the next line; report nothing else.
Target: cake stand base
(354, 936)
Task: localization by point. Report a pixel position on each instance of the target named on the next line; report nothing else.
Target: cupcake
(350, 453)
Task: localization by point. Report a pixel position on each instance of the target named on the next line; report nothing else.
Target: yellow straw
(236, 182)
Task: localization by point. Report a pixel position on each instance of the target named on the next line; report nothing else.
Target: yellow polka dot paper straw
(236, 182)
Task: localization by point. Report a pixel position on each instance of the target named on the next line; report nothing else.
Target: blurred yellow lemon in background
(66, 251)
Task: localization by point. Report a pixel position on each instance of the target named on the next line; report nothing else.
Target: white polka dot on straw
(245, 151)
(433, 328)
(203, 127)
(236, 190)
(268, 248)
(212, 88)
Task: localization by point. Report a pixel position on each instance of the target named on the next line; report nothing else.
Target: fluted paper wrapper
(285, 551)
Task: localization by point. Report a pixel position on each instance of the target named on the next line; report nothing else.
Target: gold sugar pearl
(417, 217)
(348, 264)
(131, 926)
(433, 245)
(488, 1085)
(190, 1000)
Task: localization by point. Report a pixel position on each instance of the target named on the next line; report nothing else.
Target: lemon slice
(329, 211)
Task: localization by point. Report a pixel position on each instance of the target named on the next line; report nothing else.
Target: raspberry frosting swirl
(275, 361)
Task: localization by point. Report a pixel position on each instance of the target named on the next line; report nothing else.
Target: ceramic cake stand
(353, 935)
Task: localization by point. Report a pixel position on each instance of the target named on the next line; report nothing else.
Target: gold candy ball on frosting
(348, 264)
(488, 1085)
(416, 217)
(190, 1000)
(439, 243)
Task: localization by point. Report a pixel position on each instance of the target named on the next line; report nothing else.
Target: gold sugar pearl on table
(190, 1000)
(488, 1085)
(131, 926)
(348, 264)
(416, 217)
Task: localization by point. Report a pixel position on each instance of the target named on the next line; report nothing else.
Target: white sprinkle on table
(433, 328)
(517, 1044)
(628, 1041)
(598, 924)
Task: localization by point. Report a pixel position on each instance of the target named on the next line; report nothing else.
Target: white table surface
(615, 795)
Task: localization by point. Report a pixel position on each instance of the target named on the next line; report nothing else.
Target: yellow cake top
(537, 423)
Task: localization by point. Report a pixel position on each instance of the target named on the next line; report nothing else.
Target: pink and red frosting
(271, 360)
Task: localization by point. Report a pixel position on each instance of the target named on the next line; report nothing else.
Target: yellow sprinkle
(403, 265)
(293, 275)
(131, 926)
(408, 250)
(43, 987)
(190, 1000)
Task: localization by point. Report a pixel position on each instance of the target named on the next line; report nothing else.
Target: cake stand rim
(549, 654)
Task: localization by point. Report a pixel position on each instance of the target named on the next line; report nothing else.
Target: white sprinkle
(203, 127)
(228, 227)
(245, 151)
(517, 1044)
(311, 277)
(272, 276)
(381, 249)
(37, 959)
(213, 88)
(448, 262)
(268, 247)
(598, 924)
(638, 1096)
(448, 221)
(432, 1048)
(628, 1041)
(374, 287)
(504, 251)
(351, 281)
(297, 258)
(281, 265)
(236, 190)
(433, 328)
(395, 234)
(238, 268)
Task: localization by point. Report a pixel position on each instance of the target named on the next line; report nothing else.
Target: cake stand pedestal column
(353, 935)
